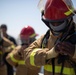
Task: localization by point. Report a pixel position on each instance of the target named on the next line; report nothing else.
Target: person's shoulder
(10, 37)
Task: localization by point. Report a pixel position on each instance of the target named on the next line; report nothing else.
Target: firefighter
(4, 42)
(56, 50)
(16, 57)
(4, 29)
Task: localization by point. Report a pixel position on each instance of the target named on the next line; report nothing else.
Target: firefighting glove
(51, 53)
(65, 48)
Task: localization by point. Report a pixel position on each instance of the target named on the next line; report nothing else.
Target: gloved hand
(65, 48)
(51, 53)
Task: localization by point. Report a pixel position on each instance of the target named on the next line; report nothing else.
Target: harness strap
(44, 40)
(61, 59)
(62, 68)
(53, 65)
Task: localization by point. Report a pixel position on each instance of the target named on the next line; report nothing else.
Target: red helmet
(57, 10)
(28, 31)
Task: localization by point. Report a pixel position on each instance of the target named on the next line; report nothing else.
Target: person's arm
(12, 39)
(7, 42)
(13, 57)
(16, 56)
(36, 56)
(7, 45)
(66, 48)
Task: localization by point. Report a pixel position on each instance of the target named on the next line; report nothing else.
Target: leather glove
(51, 53)
(65, 48)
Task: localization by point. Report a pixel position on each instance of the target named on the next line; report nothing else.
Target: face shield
(41, 5)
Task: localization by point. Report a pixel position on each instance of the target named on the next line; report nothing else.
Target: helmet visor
(41, 5)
